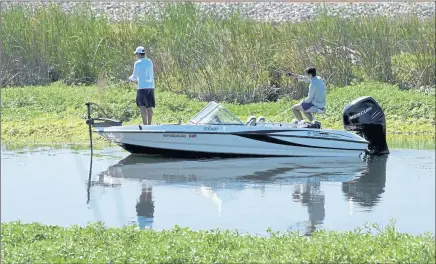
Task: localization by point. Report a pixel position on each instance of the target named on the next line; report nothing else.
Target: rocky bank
(260, 11)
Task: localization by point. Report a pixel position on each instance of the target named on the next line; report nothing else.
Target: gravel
(260, 11)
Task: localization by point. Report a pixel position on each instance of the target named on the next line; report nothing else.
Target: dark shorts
(306, 106)
(309, 107)
(145, 98)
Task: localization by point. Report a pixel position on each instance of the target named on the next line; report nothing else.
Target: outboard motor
(365, 116)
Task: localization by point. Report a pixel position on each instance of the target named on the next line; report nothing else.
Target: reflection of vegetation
(411, 142)
(56, 114)
(28, 243)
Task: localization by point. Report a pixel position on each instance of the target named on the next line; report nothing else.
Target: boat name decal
(188, 177)
(175, 135)
(321, 134)
(180, 135)
(209, 128)
(361, 113)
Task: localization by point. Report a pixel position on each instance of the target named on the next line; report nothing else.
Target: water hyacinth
(37, 243)
(56, 114)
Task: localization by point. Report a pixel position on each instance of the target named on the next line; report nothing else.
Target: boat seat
(251, 121)
(261, 119)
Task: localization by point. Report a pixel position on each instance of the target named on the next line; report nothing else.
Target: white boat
(216, 132)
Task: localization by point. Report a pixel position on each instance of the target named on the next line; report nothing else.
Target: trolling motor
(104, 122)
(365, 116)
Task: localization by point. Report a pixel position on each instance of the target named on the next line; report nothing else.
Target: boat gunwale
(243, 133)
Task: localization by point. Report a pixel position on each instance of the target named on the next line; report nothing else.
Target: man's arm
(311, 94)
(134, 76)
(301, 78)
(150, 73)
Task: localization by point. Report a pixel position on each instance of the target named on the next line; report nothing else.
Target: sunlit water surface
(52, 186)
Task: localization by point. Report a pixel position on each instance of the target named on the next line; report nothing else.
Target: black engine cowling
(365, 116)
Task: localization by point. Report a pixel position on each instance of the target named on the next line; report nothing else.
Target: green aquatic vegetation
(94, 243)
(56, 114)
(404, 141)
(209, 58)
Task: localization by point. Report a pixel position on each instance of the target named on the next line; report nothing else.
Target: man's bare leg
(296, 109)
(149, 115)
(309, 116)
(143, 114)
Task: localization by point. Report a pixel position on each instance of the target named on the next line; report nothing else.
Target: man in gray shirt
(315, 101)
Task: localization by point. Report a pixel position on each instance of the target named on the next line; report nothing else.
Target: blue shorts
(145, 98)
(145, 222)
(309, 107)
(306, 106)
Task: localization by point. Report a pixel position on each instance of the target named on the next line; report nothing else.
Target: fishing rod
(287, 74)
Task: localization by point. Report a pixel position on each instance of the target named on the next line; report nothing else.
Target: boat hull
(206, 141)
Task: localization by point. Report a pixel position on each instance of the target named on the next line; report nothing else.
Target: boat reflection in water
(362, 179)
(364, 190)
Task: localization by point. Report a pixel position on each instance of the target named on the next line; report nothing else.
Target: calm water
(52, 186)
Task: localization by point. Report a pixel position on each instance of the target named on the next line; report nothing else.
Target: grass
(203, 57)
(36, 243)
(55, 114)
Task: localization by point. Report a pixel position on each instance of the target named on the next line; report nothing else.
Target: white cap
(139, 50)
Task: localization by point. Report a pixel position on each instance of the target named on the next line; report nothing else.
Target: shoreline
(395, 142)
(56, 114)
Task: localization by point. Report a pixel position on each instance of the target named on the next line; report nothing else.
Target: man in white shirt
(143, 74)
(315, 101)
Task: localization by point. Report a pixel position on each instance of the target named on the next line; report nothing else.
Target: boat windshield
(216, 114)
